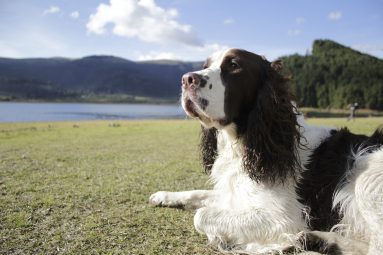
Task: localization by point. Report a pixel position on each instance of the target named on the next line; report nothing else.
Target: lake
(24, 112)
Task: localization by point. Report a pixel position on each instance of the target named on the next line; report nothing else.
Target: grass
(83, 188)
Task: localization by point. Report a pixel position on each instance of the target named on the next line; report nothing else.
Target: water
(24, 112)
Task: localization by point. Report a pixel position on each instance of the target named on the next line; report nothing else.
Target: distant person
(353, 108)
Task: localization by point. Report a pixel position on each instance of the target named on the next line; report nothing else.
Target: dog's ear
(208, 147)
(277, 65)
(272, 132)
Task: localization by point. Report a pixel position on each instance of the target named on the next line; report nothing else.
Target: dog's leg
(331, 243)
(235, 228)
(192, 199)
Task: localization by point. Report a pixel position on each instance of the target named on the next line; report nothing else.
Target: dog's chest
(230, 184)
(233, 186)
(236, 190)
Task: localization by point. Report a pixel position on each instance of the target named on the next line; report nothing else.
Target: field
(83, 188)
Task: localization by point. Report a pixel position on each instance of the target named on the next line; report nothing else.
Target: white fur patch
(361, 200)
(213, 91)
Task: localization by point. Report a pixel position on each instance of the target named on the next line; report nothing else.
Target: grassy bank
(338, 113)
(83, 188)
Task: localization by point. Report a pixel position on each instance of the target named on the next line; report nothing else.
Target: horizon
(146, 30)
(169, 60)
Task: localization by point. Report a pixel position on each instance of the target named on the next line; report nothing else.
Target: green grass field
(83, 188)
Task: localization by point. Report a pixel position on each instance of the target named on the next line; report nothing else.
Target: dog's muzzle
(191, 102)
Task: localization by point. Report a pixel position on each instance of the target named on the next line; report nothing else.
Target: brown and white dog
(275, 177)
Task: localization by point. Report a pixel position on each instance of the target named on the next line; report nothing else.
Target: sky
(188, 30)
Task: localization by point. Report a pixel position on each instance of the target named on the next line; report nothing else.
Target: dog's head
(244, 89)
(226, 89)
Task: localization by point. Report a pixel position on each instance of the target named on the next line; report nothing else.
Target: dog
(275, 177)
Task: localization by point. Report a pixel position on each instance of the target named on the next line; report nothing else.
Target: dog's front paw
(159, 198)
(165, 198)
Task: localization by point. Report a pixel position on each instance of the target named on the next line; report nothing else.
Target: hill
(60, 78)
(332, 76)
(335, 76)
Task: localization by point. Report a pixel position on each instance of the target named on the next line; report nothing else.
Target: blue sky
(184, 29)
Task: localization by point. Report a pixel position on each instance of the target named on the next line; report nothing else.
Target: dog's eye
(204, 66)
(234, 64)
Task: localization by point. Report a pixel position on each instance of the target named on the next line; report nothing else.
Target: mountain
(336, 76)
(60, 78)
(333, 76)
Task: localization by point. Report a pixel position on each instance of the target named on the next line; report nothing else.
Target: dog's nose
(191, 80)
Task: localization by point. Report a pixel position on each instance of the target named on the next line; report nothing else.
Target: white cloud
(229, 21)
(183, 53)
(300, 20)
(154, 55)
(210, 48)
(202, 52)
(51, 10)
(75, 15)
(294, 32)
(143, 20)
(335, 15)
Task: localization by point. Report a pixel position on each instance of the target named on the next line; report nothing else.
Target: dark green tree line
(335, 76)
